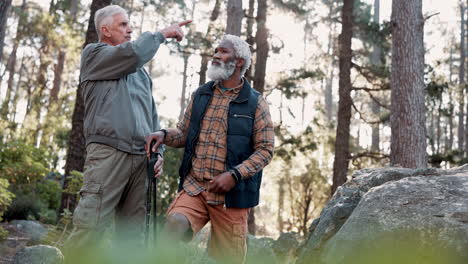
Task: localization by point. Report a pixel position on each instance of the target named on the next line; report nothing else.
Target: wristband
(234, 175)
(165, 133)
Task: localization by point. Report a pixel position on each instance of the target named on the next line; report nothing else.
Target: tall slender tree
(461, 81)
(342, 155)
(76, 147)
(408, 117)
(375, 60)
(262, 46)
(234, 17)
(12, 60)
(4, 11)
(249, 34)
(204, 62)
(463, 67)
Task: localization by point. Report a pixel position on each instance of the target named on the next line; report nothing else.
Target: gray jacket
(117, 93)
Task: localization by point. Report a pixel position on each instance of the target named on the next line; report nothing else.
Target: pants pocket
(96, 153)
(87, 212)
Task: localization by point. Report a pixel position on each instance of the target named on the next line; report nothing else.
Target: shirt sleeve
(263, 140)
(176, 137)
(106, 62)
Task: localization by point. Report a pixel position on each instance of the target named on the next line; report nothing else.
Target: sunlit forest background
(297, 49)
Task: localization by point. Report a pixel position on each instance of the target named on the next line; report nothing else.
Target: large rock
(392, 208)
(285, 246)
(35, 230)
(40, 254)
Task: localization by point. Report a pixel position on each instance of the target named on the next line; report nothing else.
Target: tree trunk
(11, 67)
(376, 61)
(280, 204)
(341, 162)
(431, 133)
(250, 38)
(234, 17)
(463, 72)
(438, 126)
(184, 87)
(76, 145)
(261, 40)
(33, 113)
(58, 71)
(461, 82)
(408, 117)
(14, 101)
(329, 80)
(449, 144)
(4, 10)
(205, 58)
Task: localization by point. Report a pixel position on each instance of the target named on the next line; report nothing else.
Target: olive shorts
(227, 242)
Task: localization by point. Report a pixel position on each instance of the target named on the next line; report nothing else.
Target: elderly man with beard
(228, 137)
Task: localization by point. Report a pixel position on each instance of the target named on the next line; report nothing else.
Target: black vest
(241, 117)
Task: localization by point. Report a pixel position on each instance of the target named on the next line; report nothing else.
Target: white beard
(221, 72)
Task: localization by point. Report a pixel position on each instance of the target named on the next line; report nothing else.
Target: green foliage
(297, 7)
(405, 246)
(454, 157)
(435, 89)
(25, 168)
(75, 181)
(48, 216)
(6, 197)
(3, 234)
(22, 165)
(49, 192)
(166, 250)
(5, 200)
(289, 83)
(290, 145)
(25, 206)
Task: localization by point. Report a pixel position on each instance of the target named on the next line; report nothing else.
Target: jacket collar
(243, 96)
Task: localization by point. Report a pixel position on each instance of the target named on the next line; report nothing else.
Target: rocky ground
(15, 241)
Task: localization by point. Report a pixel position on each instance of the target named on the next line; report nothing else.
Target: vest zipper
(245, 116)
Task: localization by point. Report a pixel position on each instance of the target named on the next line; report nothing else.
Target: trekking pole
(151, 194)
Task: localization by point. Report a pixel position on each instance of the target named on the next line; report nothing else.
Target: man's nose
(129, 30)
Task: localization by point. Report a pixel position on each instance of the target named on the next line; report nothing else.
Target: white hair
(241, 50)
(104, 16)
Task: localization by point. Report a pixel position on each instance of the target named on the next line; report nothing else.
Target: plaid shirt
(209, 159)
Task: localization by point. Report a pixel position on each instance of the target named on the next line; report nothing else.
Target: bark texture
(342, 156)
(234, 17)
(408, 118)
(261, 40)
(4, 10)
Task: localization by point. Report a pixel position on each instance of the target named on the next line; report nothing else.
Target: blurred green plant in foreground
(408, 246)
(391, 248)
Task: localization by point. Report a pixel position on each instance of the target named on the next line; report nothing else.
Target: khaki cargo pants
(114, 187)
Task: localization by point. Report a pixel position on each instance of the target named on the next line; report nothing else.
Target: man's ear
(105, 31)
(240, 62)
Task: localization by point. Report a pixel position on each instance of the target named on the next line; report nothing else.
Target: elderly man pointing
(119, 112)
